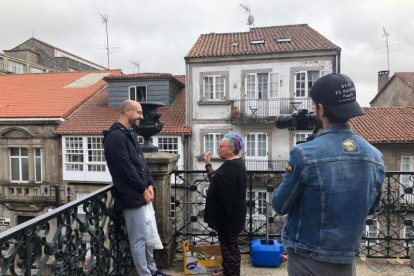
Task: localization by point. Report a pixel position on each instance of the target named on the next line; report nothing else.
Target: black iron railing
(83, 237)
(389, 232)
(190, 193)
(245, 110)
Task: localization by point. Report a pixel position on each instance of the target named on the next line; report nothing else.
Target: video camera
(298, 120)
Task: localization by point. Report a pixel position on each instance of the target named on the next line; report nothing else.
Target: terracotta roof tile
(140, 76)
(386, 124)
(95, 116)
(302, 39)
(47, 95)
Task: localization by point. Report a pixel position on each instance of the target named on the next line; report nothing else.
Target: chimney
(382, 79)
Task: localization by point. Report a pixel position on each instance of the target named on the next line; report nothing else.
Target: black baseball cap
(336, 92)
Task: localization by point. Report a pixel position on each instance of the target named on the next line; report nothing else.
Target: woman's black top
(226, 198)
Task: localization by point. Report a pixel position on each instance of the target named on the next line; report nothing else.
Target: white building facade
(243, 86)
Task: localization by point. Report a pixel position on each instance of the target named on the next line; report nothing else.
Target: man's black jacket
(128, 168)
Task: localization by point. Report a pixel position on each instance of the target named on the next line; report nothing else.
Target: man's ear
(321, 109)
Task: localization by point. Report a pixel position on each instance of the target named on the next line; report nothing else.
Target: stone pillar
(161, 164)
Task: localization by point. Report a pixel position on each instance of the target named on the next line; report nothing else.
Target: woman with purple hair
(226, 208)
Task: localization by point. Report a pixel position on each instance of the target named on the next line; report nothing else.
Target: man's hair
(126, 105)
(331, 117)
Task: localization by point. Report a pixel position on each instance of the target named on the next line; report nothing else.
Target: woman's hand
(207, 158)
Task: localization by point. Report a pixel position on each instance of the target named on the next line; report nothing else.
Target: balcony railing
(62, 241)
(59, 242)
(246, 110)
(265, 165)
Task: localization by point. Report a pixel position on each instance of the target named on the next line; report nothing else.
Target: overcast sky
(159, 33)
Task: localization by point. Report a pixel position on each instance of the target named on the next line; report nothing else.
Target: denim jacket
(330, 186)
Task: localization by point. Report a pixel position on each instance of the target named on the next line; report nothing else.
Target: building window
(138, 93)
(168, 144)
(1, 64)
(300, 137)
(214, 87)
(409, 234)
(256, 145)
(173, 211)
(74, 153)
(212, 142)
(38, 165)
(371, 231)
(19, 160)
(262, 85)
(304, 81)
(16, 67)
(96, 156)
(261, 203)
(406, 180)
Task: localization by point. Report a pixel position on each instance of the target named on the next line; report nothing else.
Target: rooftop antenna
(136, 63)
(386, 35)
(250, 18)
(105, 21)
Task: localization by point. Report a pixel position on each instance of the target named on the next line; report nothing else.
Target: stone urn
(150, 125)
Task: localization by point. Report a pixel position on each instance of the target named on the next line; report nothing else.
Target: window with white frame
(74, 153)
(19, 160)
(96, 156)
(38, 165)
(409, 234)
(212, 142)
(173, 215)
(304, 81)
(256, 145)
(406, 180)
(262, 85)
(138, 93)
(214, 87)
(261, 202)
(168, 144)
(300, 137)
(84, 154)
(372, 231)
(16, 67)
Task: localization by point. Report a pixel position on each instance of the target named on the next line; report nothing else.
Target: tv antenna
(392, 44)
(386, 35)
(136, 63)
(250, 18)
(105, 21)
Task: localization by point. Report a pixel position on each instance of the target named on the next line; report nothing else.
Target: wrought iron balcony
(65, 240)
(265, 110)
(87, 231)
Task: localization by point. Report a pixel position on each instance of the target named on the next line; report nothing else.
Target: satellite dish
(250, 20)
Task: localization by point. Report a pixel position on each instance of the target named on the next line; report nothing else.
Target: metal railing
(253, 109)
(265, 165)
(60, 241)
(83, 237)
(389, 233)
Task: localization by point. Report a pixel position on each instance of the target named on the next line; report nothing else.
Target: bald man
(133, 183)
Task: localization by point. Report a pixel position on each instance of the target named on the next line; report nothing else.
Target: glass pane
(23, 152)
(25, 169)
(38, 168)
(15, 175)
(14, 151)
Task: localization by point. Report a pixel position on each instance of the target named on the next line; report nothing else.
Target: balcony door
(256, 151)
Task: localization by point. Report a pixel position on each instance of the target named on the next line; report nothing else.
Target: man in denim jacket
(331, 184)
